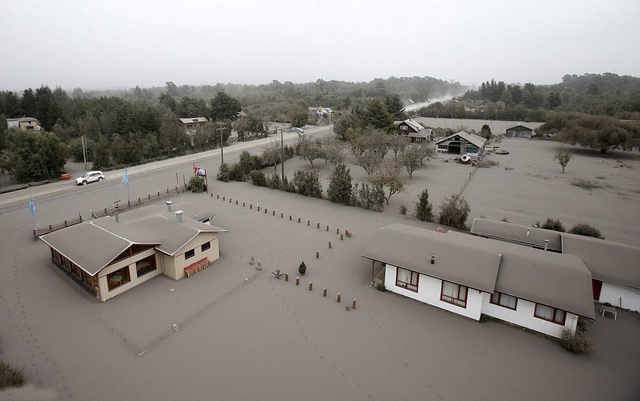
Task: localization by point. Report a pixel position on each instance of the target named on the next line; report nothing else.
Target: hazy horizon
(119, 45)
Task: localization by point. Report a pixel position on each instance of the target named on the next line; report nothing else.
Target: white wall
(620, 296)
(429, 290)
(524, 316)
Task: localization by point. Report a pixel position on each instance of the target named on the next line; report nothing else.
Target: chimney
(169, 205)
(546, 244)
(179, 216)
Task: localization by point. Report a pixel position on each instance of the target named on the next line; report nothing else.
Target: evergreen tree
(339, 190)
(424, 209)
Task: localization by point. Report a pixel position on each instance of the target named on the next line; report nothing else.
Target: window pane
(449, 289)
(508, 301)
(544, 312)
(495, 297)
(403, 275)
(559, 316)
(463, 293)
(414, 278)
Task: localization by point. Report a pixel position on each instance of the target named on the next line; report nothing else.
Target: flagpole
(33, 218)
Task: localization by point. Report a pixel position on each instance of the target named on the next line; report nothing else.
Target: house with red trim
(111, 255)
(615, 267)
(474, 276)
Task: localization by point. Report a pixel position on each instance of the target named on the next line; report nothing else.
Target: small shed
(519, 131)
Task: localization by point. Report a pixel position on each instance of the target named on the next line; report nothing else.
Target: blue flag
(124, 177)
(31, 207)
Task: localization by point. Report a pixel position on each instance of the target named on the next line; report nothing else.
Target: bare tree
(413, 157)
(389, 175)
(271, 155)
(563, 158)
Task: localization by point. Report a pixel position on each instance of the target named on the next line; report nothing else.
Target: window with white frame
(505, 300)
(407, 279)
(554, 315)
(454, 294)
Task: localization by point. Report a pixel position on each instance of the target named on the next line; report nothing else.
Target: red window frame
(496, 298)
(409, 285)
(459, 299)
(559, 315)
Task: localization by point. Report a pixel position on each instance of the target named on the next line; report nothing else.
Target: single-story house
(111, 255)
(615, 267)
(519, 131)
(24, 123)
(518, 234)
(415, 132)
(191, 125)
(461, 143)
(471, 276)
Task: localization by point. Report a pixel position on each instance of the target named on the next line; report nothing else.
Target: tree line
(595, 94)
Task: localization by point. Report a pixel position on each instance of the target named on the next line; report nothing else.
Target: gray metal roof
(549, 278)
(517, 233)
(94, 244)
(458, 257)
(608, 261)
(87, 245)
(472, 138)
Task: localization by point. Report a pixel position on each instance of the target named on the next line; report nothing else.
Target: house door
(597, 287)
(455, 148)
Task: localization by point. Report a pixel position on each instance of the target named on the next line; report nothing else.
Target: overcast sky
(121, 44)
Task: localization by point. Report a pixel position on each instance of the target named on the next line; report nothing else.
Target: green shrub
(403, 210)
(196, 184)
(454, 212)
(586, 230)
(258, 178)
(381, 287)
(578, 343)
(274, 182)
(224, 173)
(302, 269)
(553, 224)
(10, 377)
(307, 183)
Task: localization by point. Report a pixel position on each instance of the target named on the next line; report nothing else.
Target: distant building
(191, 125)
(415, 132)
(24, 123)
(519, 131)
(461, 143)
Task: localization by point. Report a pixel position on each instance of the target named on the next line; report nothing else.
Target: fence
(107, 211)
(57, 226)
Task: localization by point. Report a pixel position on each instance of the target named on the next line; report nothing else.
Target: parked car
(90, 176)
(297, 130)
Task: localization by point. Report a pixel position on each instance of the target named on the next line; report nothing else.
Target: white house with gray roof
(615, 267)
(111, 255)
(471, 276)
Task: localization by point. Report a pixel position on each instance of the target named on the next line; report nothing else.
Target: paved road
(166, 174)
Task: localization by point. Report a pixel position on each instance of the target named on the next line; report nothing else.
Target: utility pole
(282, 151)
(221, 145)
